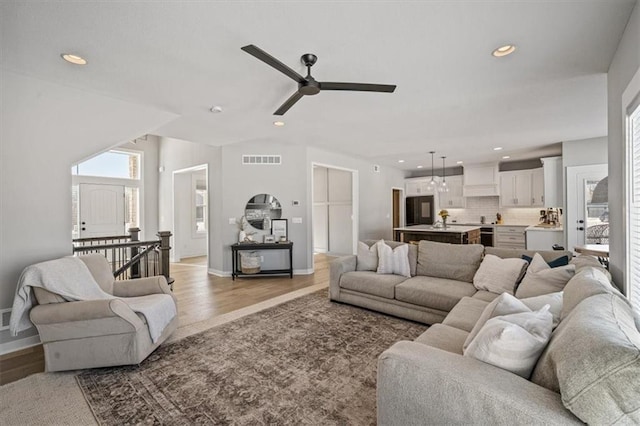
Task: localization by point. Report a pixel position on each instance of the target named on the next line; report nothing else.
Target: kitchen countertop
(450, 228)
(544, 228)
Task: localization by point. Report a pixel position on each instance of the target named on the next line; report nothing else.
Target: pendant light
(443, 187)
(432, 183)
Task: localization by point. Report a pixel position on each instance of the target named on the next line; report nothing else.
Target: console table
(238, 247)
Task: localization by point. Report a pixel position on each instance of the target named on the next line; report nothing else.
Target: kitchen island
(454, 234)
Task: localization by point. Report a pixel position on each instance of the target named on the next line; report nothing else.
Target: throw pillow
(513, 342)
(561, 261)
(499, 275)
(554, 300)
(542, 279)
(393, 261)
(501, 305)
(367, 259)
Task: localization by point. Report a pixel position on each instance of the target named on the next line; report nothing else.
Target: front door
(587, 219)
(101, 210)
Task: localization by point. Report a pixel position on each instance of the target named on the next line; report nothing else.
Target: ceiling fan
(308, 85)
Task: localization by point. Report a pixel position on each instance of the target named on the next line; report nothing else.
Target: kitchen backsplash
(488, 207)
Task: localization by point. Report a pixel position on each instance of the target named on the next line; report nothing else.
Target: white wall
(624, 65)
(175, 155)
(585, 152)
(44, 129)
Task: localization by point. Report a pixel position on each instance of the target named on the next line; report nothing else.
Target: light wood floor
(200, 297)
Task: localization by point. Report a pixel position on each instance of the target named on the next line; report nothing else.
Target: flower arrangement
(443, 214)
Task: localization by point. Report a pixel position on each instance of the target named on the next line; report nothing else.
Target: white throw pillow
(367, 259)
(554, 300)
(502, 305)
(543, 279)
(513, 342)
(498, 275)
(393, 261)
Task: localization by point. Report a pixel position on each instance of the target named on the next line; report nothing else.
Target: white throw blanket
(70, 278)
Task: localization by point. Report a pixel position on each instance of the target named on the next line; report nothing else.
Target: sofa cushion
(504, 304)
(444, 337)
(513, 342)
(586, 261)
(593, 360)
(393, 261)
(367, 259)
(487, 296)
(499, 275)
(586, 283)
(436, 293)
(465, 314)
(543, 279)
(371, 283)
(451, 261)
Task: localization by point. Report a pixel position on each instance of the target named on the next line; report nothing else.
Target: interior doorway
(191, 216)
(587, 215)
(397, 213)
(334, 215)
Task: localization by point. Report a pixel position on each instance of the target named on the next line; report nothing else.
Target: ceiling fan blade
(288, 103)
(360, 87)
(270, 60)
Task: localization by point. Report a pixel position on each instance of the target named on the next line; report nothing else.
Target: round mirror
(261, 209)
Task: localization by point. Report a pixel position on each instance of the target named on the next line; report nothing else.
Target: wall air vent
(5, 314)
(263, 160)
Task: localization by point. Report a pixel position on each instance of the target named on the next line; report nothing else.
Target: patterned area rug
(307, 361)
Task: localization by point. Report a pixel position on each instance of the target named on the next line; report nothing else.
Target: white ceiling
(452, 96)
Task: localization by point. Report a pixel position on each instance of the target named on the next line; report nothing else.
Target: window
(111, 164)
(633, 152)
(200, 204)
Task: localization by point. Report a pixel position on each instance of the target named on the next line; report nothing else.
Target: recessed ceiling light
(419, 167)
(505, 157)
(216, 109)
(497, 148)
(278, 123)
(74, 59)
(400, 161)
(458, 162)
(505, 50)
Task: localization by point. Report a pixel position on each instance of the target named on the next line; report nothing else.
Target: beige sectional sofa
(588, 372)
(441, 275)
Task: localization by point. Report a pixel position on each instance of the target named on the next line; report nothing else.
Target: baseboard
(16, 345)
(219, 273)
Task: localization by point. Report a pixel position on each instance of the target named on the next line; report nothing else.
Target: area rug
(307, 361)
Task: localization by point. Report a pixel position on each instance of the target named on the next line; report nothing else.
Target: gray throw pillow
(367, 259)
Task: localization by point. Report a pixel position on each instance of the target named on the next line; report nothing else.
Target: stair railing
(129, 257)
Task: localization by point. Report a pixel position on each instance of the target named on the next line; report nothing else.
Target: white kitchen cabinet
(454, 198)
(515, 188)
(481, 180)
(537, 187)
(418, 186)
(543, 238)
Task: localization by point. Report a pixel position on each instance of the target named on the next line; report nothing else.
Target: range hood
(481, 180)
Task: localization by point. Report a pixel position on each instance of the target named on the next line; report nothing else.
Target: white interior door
(587, 216)
(101, 210)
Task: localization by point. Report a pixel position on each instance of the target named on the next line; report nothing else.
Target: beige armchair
(97, 333)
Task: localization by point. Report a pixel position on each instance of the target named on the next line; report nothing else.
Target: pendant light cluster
(433, 185)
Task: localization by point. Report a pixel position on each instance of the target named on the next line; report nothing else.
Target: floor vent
(5, 315)
(263, 160)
